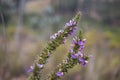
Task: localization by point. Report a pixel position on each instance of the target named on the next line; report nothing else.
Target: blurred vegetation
(28, 30)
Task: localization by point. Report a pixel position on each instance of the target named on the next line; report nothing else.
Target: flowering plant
(74, 56)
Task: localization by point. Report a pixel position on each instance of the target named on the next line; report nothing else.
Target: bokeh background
(25, 27)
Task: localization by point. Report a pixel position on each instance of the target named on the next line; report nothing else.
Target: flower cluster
(75, 56)
(71, 26)
(81, 43)
(79, 55)
(56, 34)
(71, 23)
(56, 40)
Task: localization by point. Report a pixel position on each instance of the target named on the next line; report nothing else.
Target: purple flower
(71, 33)
(74, 56)
(80, 54)
(52, 37)
(31, 69)
(84, 63)
(80, 43)
(40, 65)
(59, 73)
(81, 47)
(81, 60)
(70, 23)
(72, 30)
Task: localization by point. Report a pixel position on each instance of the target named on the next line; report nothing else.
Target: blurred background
(25, 27)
